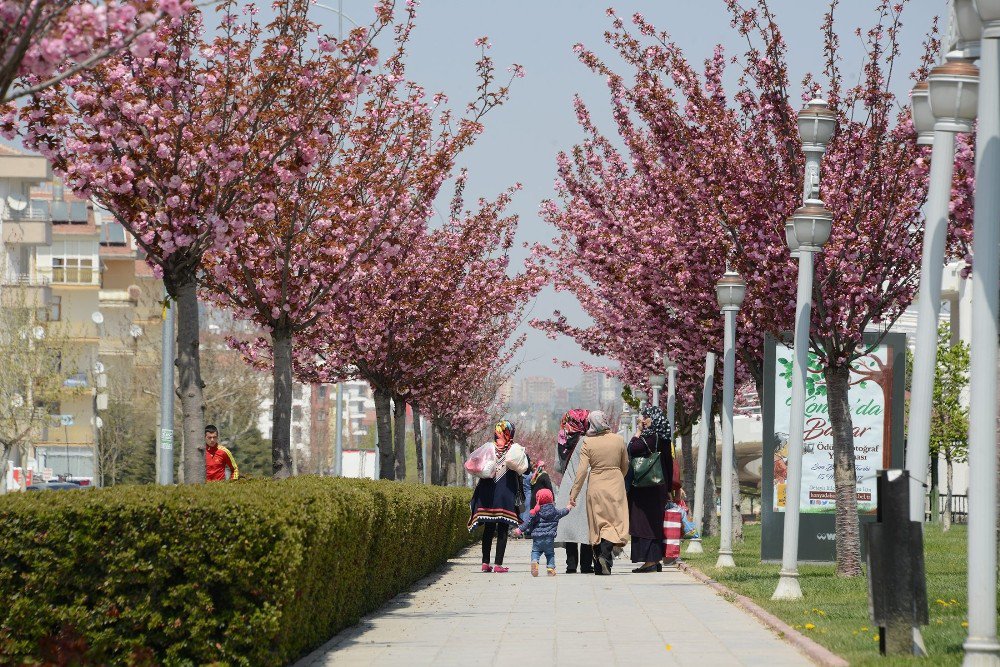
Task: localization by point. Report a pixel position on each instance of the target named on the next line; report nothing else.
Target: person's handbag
(482, 462)
(647, 470)
(520, 502)
(517, 459)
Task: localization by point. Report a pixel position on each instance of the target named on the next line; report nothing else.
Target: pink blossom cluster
(707, 179)
(43, 40)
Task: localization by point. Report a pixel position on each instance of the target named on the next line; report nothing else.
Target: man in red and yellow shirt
(218, 458)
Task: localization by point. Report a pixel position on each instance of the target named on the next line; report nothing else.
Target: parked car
(53, 486)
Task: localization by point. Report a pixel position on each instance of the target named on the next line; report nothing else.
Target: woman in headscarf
(494, 500)
(603, 456)
(574, 531)
(646, 504)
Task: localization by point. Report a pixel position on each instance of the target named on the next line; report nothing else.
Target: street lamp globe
(816, 125)
(813, 223)
(657, 381)
(969, 28)
(730, 291)
(989, 13)
(790, 238)
(923, 117)
(669, 364)
(954, 95)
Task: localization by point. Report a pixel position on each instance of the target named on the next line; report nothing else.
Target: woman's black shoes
(659, 567)
(655, 567)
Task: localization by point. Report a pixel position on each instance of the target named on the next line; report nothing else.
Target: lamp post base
(788, 587)
(725, 559)
(694, 546)
(981, 652)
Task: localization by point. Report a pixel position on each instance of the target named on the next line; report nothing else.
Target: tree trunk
(418, 439)
(689, 468)
(399, 436)
(383, 428)
(448, 454)
(710, 520)
(189, 382)
(436, 476)
(737, 503)
(756, 367)
(950, 475)
(844, 472)
(281, 406)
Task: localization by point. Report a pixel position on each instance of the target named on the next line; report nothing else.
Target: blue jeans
(543, 545)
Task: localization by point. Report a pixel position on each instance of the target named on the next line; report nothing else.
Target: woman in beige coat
(604, 456)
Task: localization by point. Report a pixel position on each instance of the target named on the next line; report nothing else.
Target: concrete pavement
(461, 616)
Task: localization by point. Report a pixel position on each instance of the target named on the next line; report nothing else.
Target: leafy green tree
(949, 414)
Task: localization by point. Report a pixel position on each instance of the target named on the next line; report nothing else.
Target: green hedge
(246, 573)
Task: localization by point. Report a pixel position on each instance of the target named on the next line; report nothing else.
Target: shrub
(245, 573)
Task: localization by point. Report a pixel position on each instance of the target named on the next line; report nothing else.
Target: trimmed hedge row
(245, 573)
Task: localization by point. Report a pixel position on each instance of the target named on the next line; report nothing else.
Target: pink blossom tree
(179, 143)
(43, 42)
(428, 329)
(741, 167)
(368, 192)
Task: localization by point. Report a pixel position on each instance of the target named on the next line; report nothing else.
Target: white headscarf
(598, 423)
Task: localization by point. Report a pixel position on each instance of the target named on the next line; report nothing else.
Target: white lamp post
(981, 646)
(809, 231)
(656, 383)
(950, 97)
(627, 421)
(730, 291)
(670, 366)
(694, 546)
(641, 397)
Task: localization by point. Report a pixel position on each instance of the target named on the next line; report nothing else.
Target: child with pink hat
(542, 523)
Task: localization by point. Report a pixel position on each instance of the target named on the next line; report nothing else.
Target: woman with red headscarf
(495, 498)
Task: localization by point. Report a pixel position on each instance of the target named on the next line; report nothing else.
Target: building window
(55, 309)
(297, 392)
(112, 234)
(68, 213)
(322, 391)
(297, 413)
(70, 262)
(73, 270)
(297, 435)
(321, 415)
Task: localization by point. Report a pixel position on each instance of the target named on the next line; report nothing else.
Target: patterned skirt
(493, 501)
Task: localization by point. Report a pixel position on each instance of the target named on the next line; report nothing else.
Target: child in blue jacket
(542, 524)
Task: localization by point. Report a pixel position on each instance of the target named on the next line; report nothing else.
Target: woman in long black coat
(646, 504)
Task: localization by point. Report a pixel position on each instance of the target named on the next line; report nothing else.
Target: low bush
(245, 573)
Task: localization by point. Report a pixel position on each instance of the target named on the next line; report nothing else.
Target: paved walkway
(460, 616)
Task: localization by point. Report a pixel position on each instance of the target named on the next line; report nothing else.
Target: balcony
(25, 167)
(27, 232)
(25, 291)
(119, 297)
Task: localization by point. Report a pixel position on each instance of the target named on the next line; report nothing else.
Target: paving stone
(462, 616)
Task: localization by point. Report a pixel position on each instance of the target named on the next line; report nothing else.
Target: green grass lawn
(834, 611)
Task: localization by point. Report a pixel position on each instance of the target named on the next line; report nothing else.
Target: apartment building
(314, 416)
(75, 266)
(301, 424)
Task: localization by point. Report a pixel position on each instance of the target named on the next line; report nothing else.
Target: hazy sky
(523, 137)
